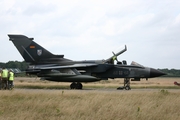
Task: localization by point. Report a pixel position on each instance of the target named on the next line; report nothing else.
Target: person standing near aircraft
(11, 79)
(113, 59)
(0, 80)
(4, 75)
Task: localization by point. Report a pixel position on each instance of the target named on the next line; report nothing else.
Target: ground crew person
(4, 75)
(0, 80)
(113, 59)
(11, 79)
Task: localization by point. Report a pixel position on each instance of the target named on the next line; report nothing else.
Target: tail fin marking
(30, 50)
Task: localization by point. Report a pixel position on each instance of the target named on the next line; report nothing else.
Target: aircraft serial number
(121, 73)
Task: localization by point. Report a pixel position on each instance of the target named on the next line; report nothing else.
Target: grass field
(95, 103)
(162, 83)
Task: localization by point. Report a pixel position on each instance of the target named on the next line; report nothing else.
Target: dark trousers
(10, 84)
(0, 84)
(4, 83)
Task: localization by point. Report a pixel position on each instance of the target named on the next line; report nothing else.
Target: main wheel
(73, 85)
(79, 85)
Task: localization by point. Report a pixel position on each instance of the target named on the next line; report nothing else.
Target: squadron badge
(39, 52)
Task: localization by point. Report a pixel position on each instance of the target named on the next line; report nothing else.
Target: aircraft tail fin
(30, 50)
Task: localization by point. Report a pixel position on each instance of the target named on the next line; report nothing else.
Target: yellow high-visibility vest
(114, 58)
(11, 76)
(4, 73)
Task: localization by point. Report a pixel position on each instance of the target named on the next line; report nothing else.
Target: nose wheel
(76, 85)
(126, 85)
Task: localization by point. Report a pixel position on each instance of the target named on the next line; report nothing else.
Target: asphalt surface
(108, 90)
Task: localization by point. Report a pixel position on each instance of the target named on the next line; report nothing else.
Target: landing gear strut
(76, 85)
(126, 84)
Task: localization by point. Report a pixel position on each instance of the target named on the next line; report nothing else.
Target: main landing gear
(126, 85)
(76, 85)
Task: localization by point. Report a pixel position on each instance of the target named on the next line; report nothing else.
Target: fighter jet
(52, 67)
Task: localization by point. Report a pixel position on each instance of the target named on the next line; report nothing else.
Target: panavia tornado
(52, 67)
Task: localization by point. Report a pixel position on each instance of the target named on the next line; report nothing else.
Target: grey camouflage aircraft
(52, 67)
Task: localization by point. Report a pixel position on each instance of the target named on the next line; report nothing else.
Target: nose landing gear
(126, 85)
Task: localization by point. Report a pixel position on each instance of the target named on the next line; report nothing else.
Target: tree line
(23, 66)
(15, 64)
(171, 72)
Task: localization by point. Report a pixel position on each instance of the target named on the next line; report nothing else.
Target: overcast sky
(92, 29)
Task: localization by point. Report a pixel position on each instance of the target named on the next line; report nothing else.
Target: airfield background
(18, 67)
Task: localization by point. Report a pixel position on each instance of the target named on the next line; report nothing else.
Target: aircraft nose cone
(155, 73)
